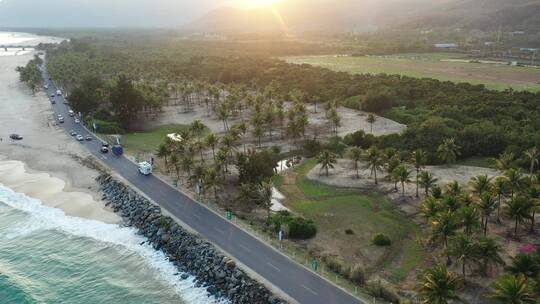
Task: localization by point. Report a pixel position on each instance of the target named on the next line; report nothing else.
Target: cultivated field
(442, 66)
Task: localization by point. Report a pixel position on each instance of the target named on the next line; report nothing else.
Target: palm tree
(504, 162)
(393, 161)
(374, 161)
(327, 160)
(524, 264)
(212, 180)
(518, 209)
(163, 152)
(511, 289)
(533, 194)
(532, 155)
(489, 253)
(464, 249)
(514, 180)
(429, 208)
(197, 127)
(487, 204)
(470, 219)
(439, 286)
(211, 141)
(427, 180)
(187, 165)
(480, 184)
(175, 163)
(499, 188)
(403, 176)
(371, 119)
(418, 159)
(448, 151)
(453, 189)
(444, 225)
(263, 196)
(355, 154)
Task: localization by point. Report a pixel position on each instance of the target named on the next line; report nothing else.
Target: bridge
(16, 47)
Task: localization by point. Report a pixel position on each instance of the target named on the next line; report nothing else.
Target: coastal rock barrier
(190, 254)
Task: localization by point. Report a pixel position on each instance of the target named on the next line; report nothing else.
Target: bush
(300, 228)
(108, 127)
(378, 290)
(359, 139)
(312, 147)
(335, 145)
(377, 102)
(357, 275)
(349, 231)
(380, 239)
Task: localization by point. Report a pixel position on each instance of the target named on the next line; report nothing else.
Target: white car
(58, 92)
(79, 137)
(145, 168)
(77, 120)
(71, 113)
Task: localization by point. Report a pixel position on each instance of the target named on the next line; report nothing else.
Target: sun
(256, 3)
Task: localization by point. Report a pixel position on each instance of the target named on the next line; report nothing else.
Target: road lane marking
(308, 289)
(244, 247)
(196, 216)
(218, 230)
(273, 266)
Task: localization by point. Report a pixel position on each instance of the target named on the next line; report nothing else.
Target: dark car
(105, 144)
(15, 137)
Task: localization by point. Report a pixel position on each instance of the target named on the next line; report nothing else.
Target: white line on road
(273, 266)
(308, 289)
(218, 230)
(196, 216)
(244, 247)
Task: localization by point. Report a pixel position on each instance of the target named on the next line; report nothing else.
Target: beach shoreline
(47, 164)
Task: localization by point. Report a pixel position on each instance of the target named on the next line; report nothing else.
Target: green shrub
(381, 239)
(300, 228)
(312, 147)
(357, 275)
(335, 145)
(108, 127)
(377, 102)
(378, 290)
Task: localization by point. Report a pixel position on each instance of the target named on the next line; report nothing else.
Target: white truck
(145, 168)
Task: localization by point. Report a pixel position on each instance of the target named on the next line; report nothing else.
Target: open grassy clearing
(335, 210)
(147, 141)
(494, 76)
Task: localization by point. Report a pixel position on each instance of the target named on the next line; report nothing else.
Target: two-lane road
(296, 281)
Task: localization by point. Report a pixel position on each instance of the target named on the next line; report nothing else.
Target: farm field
(441, 66)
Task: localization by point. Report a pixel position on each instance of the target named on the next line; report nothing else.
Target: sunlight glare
(256, 3)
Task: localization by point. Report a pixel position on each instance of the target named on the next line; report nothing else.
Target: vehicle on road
(58, 93)
(118, 150)
(61, 120)
(53, 101)
(88, 137)
(145, 168)
(71, 113)
(46, 86)
(79, 137)
(77, 120)
(15, 137)
(65, 102)
(105, 144)
(52, 95)
(72, 133)
(104, 149)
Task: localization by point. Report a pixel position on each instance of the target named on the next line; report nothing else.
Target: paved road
(293, 279)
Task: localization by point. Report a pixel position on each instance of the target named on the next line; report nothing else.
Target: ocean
(49, 257)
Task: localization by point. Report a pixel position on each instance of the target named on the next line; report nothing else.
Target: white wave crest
(47, 218)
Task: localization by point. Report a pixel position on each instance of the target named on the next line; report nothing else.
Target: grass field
(434, 65)
(148, 141)
(335, 210)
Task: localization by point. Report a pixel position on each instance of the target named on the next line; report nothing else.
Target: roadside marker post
(229, 215)
(315, 265)
(175, 182)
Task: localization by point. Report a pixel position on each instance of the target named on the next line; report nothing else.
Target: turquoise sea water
(48, 257)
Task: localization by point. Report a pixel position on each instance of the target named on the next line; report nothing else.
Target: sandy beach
(47, 163)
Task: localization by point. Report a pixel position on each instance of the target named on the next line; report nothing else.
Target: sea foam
(123, 238)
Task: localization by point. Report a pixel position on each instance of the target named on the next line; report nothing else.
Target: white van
(145, 168)
(58, 93)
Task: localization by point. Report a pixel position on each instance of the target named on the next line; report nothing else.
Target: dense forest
(483, 122)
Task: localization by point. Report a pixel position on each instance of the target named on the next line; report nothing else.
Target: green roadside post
(229, 215)
(175, 183)
(315, 265)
